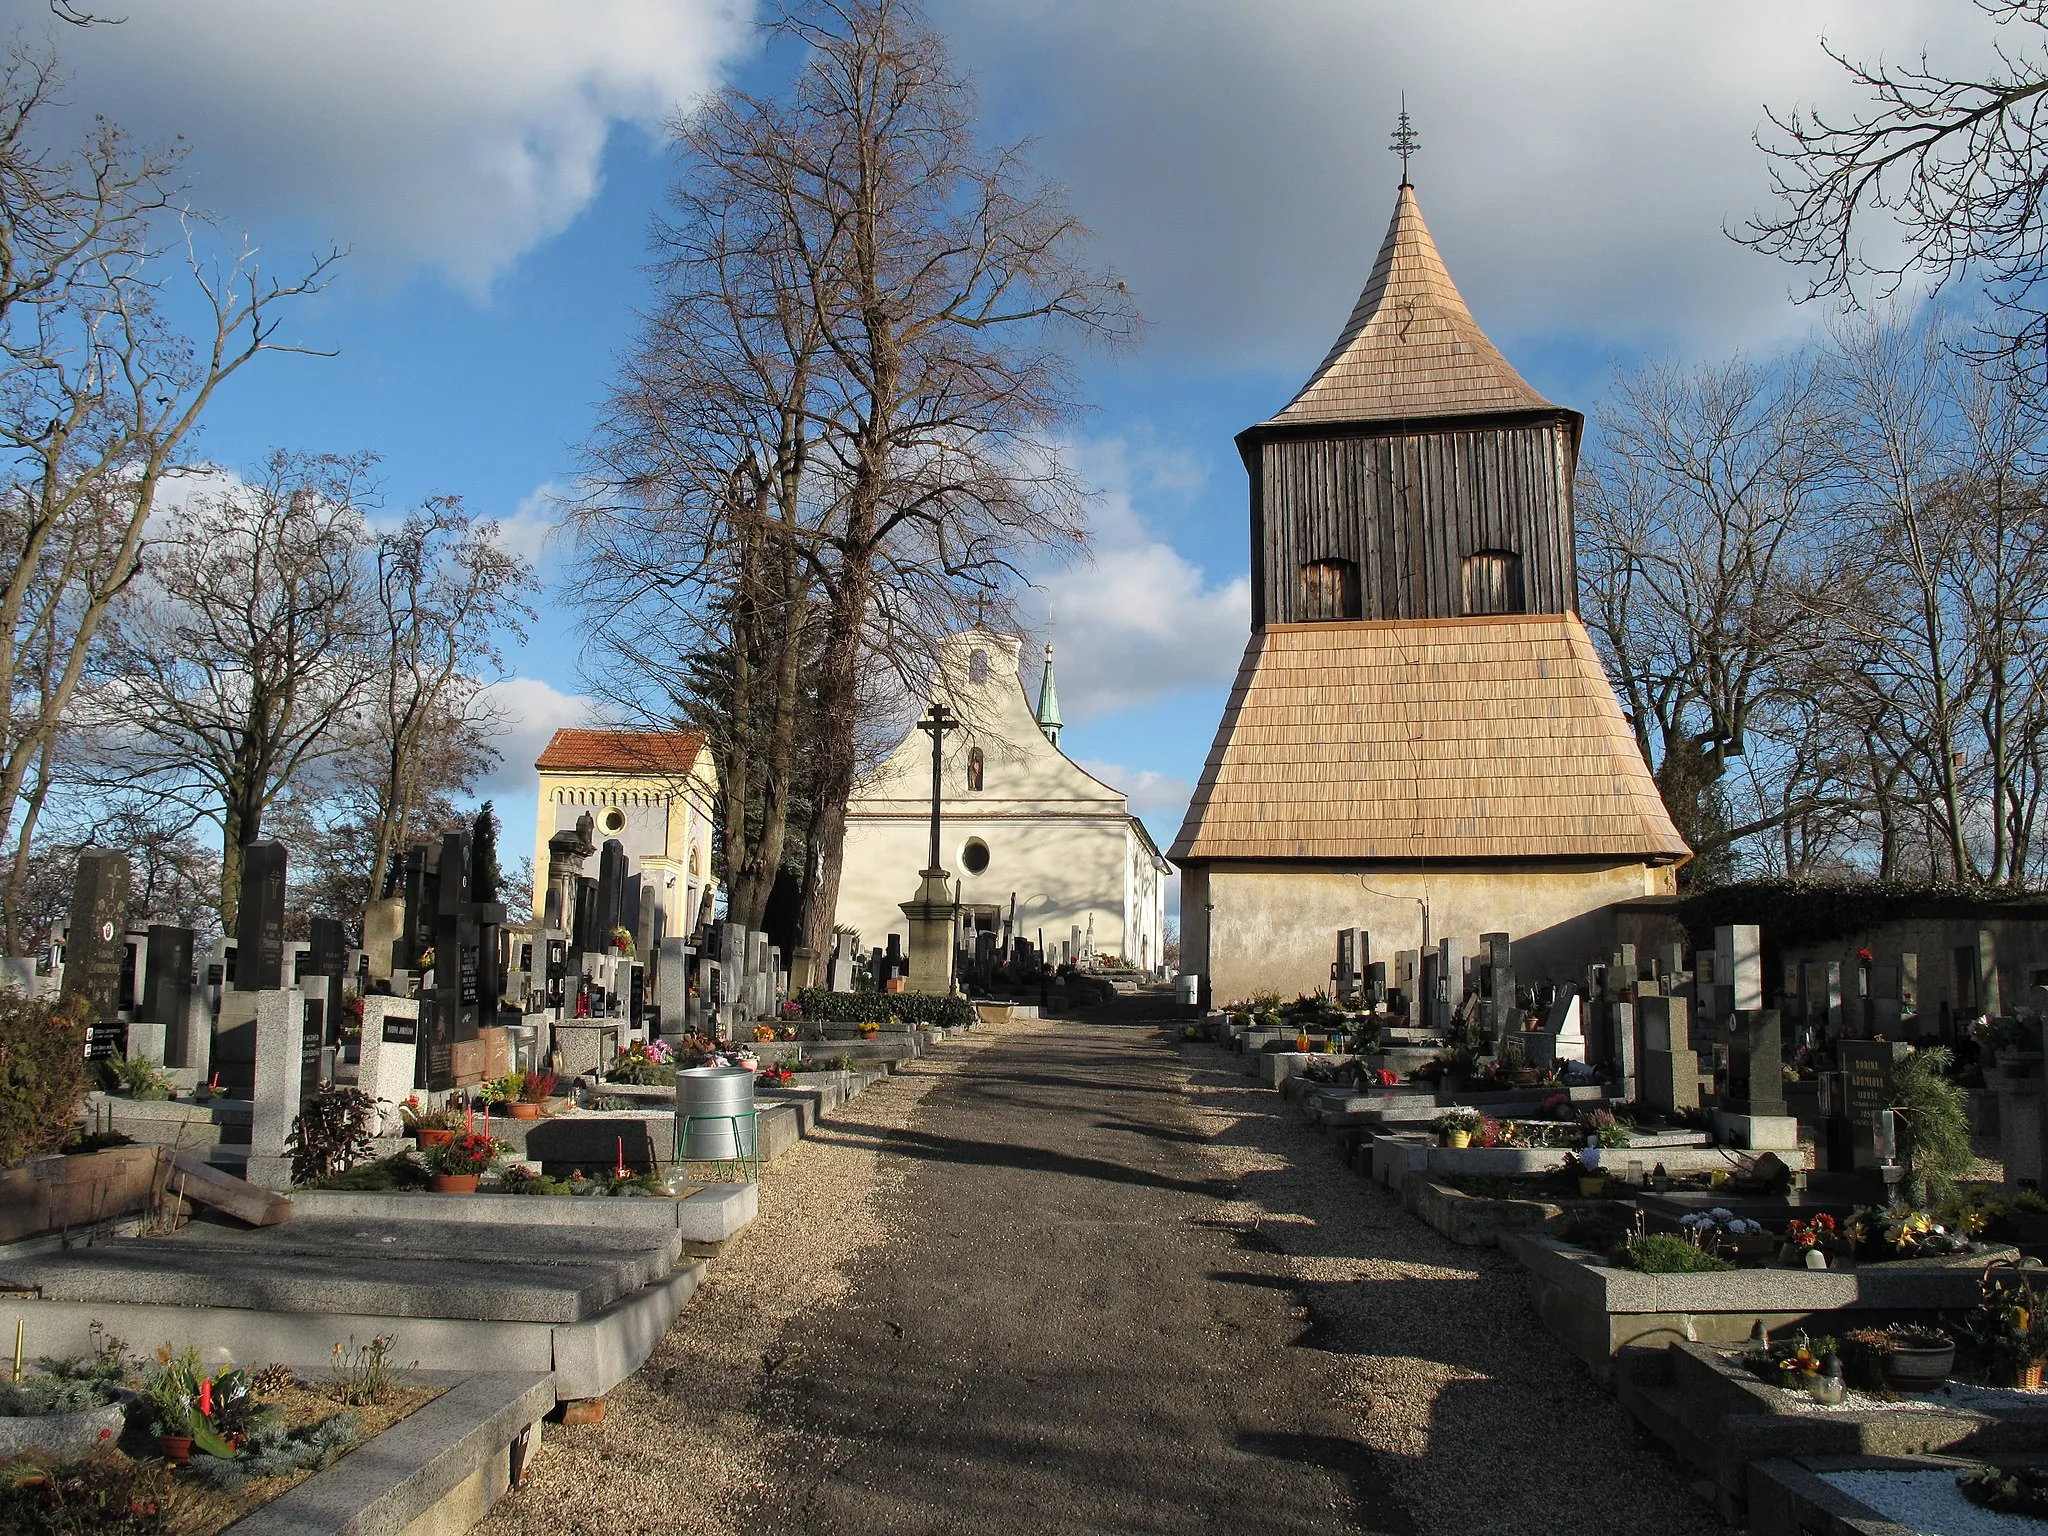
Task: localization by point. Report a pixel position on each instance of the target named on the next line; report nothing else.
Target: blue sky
(494, 163)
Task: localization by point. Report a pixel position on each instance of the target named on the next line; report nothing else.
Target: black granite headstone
(96, 944)
(327, 956)
(591, 1146)
(636, 995)
(1756, 1064)
(167, 988)
(584, 937)
(611, 893)
(259, 919)
(313, 1035)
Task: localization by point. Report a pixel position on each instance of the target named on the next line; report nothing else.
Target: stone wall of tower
(1406, 504)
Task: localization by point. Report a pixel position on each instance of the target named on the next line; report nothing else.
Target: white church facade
(1024, 829)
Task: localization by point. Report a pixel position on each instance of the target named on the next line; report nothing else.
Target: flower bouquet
(646, 1063)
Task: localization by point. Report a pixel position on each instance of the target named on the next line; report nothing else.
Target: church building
(1029, 835)
(1421, 741)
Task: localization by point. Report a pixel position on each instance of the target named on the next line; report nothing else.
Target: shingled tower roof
(1411, 348)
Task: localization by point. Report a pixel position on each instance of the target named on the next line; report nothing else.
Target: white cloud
(1580, 159)
(1151, 794)
(533, 523)
(533, 712)
(454, 135)
(1142, 621)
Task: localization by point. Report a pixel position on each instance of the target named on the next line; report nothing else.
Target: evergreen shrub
(43, 1080)
(933, 1008)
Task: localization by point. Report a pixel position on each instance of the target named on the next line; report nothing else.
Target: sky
(491, 168)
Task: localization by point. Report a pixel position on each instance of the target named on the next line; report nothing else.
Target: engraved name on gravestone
(95, 946)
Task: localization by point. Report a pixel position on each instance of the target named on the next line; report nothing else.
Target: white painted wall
(1061, 840)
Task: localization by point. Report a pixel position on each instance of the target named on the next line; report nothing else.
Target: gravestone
(672, 985)
(383, 929)
(95, 945)
(259, 919)
(1865, 1068)
(732, 971)
(1563, 1036)
(1405, 982)
(167, 988)
(1344, 973)
(611, 892)
(1450, 982)
(278, 1086)
(387, 1071)
(442, 1013)
(1668, 1073)
(1504, 1014)
(1756, 1064)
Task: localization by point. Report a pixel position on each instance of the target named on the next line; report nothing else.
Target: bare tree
(235, 668)
(98, 395)
(1943, 176)
(444, 590)
(1695, 505)
(946, 277)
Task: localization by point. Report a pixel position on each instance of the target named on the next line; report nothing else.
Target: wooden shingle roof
(645, 752)
(1411, 348)
(1490, 738)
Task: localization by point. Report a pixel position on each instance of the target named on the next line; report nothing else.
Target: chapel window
(1493, 582)
(1329, 590)
(974, 768)
(977, 667)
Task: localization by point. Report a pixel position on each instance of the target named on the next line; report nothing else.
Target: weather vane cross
(1405, 141)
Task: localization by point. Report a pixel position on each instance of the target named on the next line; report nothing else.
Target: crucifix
(1405, 140)
(936, 722)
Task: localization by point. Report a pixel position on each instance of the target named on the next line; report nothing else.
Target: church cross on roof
(1411, 348)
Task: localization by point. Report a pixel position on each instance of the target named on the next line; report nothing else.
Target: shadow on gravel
(1155, 1132)
(1350, 1461)
(996, 1154)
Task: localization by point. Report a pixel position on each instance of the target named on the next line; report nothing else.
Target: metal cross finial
(1405, 141)
(937, 721)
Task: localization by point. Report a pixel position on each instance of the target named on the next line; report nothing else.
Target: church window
(1493, 582)
(975, 856)
(974, 768)
(977, 667)
(1329, 590)
(615, 820)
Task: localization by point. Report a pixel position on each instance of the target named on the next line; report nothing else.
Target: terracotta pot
(519, 1109)
(1919, 1370)
(432, 1138)
(1457, 1138)
(2023, 1374)
(452, 1183)
(177, 1449)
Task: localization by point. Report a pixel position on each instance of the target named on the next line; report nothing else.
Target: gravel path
(1065, 1276)
(681, 1447)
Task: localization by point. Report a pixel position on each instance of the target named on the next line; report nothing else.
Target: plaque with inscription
(399, 1030)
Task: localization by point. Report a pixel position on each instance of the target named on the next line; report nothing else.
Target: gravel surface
(681, 1448)
(1071, 1277)
(1930, 1503)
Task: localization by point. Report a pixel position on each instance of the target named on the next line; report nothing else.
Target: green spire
(1049, 702)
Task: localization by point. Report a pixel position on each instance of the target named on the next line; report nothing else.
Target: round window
(615, 820)
(975, 856)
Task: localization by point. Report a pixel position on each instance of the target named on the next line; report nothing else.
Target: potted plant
(429, 1127)
(2009, 1327)
(454, 1166)
(1904, 1357)
(181, 1396)
(504, 1090)
(1591, 1180)
(535, 1089)
(869, 1030)
(1457, 1127)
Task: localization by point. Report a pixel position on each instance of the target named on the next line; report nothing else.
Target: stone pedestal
(932, 914)
(279, 1030)
(1668, 1080)
(390, 1053)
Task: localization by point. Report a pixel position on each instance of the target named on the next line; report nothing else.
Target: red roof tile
(575, 751)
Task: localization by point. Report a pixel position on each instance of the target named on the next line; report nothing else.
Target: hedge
(884, 1007)
(42, 1074)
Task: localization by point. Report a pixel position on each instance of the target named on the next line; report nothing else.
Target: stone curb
(439, 1469)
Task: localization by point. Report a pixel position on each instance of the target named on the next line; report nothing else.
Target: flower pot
(519, 1109)
(1592, 1184)
(1457, 1138)
(432, 1138)
(2023, 1374)
(1919, 1370)
(177, 1449)
(452, 1183)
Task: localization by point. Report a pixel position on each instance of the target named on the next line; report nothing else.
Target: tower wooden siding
(1407, 506)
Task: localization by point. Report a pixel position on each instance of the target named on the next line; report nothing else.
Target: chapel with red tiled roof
(1421, 741)
(655, 794)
